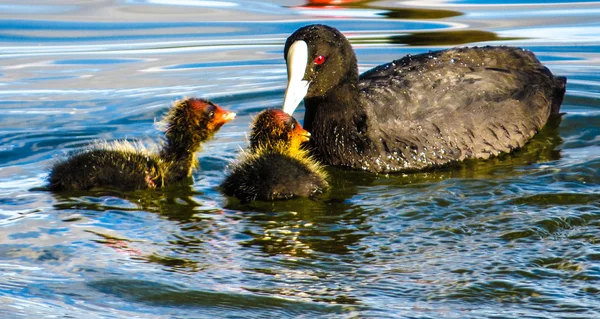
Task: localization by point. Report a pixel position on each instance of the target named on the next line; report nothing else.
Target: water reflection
(449, 37)
(243, 304)
(177, 202)
(419, 14)
(194, 223)
(301, 234)
(437, 38)
(389, 12)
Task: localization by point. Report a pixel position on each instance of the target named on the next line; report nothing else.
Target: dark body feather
(273, 175)
(427, 110)
(124, 170)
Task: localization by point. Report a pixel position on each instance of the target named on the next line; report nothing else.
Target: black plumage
(129, 166)
(421, 111)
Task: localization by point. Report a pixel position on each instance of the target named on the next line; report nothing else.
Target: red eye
(319, 60)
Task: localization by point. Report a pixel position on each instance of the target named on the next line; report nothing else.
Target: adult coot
(125, 166)
(418, 112)
(275, 166)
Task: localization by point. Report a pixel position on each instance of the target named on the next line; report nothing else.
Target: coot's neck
(178, 152)
(342, 100)
(337, 123)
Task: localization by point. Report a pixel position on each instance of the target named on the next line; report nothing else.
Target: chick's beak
(223, 116)
(228, 116)
(305, 136)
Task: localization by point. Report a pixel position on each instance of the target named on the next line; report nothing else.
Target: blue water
(512, 237)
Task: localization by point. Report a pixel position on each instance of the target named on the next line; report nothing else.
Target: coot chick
(418, 112)
(275, 167)
(124, 166)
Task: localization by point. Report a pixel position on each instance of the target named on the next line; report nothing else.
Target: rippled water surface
(514, 237)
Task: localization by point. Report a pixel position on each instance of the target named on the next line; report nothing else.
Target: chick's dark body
(107, 168)
(272, 176)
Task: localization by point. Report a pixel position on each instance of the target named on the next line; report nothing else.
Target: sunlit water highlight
(513, 237)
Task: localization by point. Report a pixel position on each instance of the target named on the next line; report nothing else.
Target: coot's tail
(559, 93)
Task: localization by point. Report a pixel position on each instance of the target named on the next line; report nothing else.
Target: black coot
(127, 166)
(418, 112)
